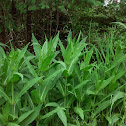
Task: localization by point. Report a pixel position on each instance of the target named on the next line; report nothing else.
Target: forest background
(21, 18)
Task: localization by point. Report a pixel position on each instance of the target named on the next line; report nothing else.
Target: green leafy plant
(76, 84)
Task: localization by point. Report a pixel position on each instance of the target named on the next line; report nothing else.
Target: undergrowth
(81, 84)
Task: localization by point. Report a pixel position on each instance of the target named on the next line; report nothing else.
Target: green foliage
(81, 84)
(71, 81)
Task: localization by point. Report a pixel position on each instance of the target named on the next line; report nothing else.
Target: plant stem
(12, 102)
(65, 99)
(12, 91)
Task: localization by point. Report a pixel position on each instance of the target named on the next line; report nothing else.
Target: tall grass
(85, 85)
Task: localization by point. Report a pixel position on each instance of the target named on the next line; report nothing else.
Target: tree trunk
(13, 13)
(57, 20)
(51, 22)
(28, 25)
(3, 33)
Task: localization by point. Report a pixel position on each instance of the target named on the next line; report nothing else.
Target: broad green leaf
(115, 118)
(21, 55)
(12, 124)
(9, 73)
(73, 62)
(35, 97)
(36, 46)
(83, 41)
(109, 119)
(101, 107)
(44, 50)
(44, 64)
(68, 52)
(65, 73)
(112, 120)
(113, 86)
(119, 75)
(55, 41)
(88, 56)
(78, 39)
(62, 116)
(2, 120)
(78, 94)
(4, 95)
(60, 87)
(27, 87)
(80, 85)
(69, 37)
(91, 92)
(62, 49)
(48, 84)
(24, 116)
(53, 75)
(118, 51)
(60, 62)
(30, 101)
(45, 87)
(123, 58)
(54, 104)
(117, 96)
(19, 74)
(50, 113)
(77, 71)
(31, 69)
(80, 112)
(104, 84)
(6, 110)
(2, 53)
(32, 116)
(15, 78)
(12, 50)
(70, 101)
(30, 56)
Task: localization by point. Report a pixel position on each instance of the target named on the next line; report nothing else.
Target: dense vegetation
(73, 79)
